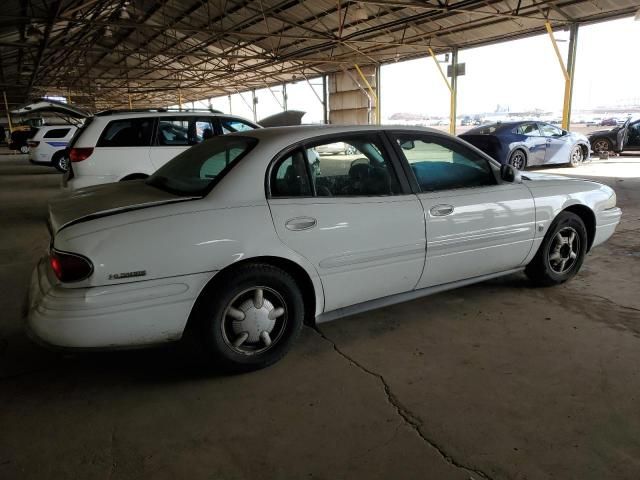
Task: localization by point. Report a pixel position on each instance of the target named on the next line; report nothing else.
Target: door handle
(300, 223)
(441, 210)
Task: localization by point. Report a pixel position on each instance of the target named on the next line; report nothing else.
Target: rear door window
(231, 125)
(133, 132)
(57, 133)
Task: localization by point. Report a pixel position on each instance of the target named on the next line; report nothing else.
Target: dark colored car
(624, 137)
(19, 138)
(609, 122)
(529, 143)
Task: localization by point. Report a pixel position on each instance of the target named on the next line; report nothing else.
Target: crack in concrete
(405, 414)
(112, 453)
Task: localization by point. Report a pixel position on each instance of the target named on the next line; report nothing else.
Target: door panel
(489, 229)
(363, 248)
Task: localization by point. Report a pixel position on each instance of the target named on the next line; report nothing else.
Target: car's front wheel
(601, 145)
(251, 318)
(562, 251)
(518, 159)
(577, 156)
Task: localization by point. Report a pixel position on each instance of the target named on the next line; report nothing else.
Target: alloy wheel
(254, 321)
(576, 156)
(517, 160)
(601, 145)
(564, 250)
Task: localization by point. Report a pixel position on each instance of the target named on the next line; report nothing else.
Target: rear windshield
(196, 171)
(485, 130)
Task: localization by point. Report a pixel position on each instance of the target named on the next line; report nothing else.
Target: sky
(523, 74)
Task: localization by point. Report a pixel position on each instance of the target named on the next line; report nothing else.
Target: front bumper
(113, 316)
(606, 223)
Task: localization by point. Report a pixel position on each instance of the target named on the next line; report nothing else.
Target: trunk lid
(103, 200)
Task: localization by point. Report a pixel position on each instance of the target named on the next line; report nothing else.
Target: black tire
(24, 149)
(220, 329)
(576, 157)
(601, 145)
(544, 269)
(60, 162)
(518, 159)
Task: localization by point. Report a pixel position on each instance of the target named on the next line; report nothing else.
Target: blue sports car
(525, 144)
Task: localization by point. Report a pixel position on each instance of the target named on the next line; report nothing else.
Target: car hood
(103, 200)
(604, 132)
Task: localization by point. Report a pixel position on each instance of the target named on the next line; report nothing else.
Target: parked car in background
(529, 143)
(127, 145)
(609, 122)
(47, 146)
(623, 137)
(236, 241)
(333, 148)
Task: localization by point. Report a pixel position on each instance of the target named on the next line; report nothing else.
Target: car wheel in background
(577, 156)
(60, 161)
(562, 251)
(251, 318)
(601, 145)
(24, 149)
(518, 159)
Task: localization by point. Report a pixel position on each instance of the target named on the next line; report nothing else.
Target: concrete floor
(498, 380)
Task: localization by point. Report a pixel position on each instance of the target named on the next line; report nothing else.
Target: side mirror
(408, 145)
(510, 174)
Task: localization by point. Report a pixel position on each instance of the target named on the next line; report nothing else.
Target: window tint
(173, 131)
(441, 164)
(204, 129)
(290, 177)
(57, 133)
(550, 131)
(230, 125)
(134, 132)
(528, 129)
(196, 170)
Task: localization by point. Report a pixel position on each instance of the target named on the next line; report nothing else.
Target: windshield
(195, 171)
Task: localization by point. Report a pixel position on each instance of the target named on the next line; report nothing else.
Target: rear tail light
(70, 267)
(79, 154)
(33, 144)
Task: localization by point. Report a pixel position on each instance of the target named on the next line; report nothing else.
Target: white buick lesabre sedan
(241, 239)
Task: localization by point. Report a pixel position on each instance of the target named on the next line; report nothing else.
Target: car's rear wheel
(251, 318)
(577, 156)
(562, 251)
(518, 159)
(601, 145)
(24, 149)
(60, 161)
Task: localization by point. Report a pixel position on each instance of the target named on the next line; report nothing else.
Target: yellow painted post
(452, 93)
(566, 105)
(130, 104)
(6, 106)
(371, 92)
(179, 99)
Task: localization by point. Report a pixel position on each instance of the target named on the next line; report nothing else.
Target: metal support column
(567, 73)
(325, 105)
(378, 95)
(454, 92)
(373, 94)
(284, 97)
(230, 109)
(254, 102)
(571, 67)
(6, 106)
(179, 99)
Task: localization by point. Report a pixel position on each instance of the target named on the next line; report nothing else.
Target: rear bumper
(114, 316)
(606, 223)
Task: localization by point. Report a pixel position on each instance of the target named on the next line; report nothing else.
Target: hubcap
(576, 155)
(254, 321)
(564, 250)
(63, 163)
(517, 160)
(601, 146)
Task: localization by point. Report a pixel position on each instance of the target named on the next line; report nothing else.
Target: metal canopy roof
(98, 51)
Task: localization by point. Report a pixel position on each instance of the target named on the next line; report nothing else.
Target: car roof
(65, 125)
(300, 133)
(132, 114)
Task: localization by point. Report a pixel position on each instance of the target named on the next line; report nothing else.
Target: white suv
(47, 146)
(114, 146)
